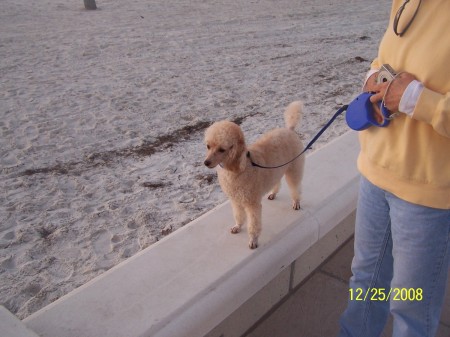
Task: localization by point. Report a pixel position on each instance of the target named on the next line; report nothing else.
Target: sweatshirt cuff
(410, 97)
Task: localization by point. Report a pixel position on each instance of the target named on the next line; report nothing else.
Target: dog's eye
(222, 150)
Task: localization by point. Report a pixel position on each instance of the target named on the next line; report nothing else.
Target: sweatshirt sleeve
(434, 108)
(375, 64)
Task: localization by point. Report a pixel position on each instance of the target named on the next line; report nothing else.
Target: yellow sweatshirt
(411, 156)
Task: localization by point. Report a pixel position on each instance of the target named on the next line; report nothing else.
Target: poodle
(240, 174)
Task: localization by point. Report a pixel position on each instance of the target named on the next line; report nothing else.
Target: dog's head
(225, 143)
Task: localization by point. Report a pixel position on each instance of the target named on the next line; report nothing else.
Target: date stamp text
(384, 294)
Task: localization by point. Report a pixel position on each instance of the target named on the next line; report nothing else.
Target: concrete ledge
(11, 326)
(257, 308)
(194, 279)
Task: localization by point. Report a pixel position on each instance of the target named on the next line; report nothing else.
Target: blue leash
(310, 144)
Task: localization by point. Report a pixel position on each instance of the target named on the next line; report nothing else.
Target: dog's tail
(293, 114)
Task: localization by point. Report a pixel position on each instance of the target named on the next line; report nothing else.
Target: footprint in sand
(8, 263)
(7, 239)
(102, 242)
(59, 269)
(30, 132)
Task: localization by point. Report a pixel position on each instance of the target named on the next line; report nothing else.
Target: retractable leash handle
(360, 114)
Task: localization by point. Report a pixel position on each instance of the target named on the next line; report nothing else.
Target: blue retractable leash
(359, 116)
(310, 144)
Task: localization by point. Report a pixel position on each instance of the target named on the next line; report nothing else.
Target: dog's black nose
(207, 163)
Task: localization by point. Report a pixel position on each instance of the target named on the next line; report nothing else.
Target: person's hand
(394, 88)
(370, 86)
(371, 83)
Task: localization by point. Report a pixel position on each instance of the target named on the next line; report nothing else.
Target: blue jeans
(400, 266)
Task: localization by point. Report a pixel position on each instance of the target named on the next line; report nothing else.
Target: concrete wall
(203, 281)
(285, 283)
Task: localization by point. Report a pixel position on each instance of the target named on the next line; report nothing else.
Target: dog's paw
(272, 196)
(235, 229)
(296, 205)
(253, 243)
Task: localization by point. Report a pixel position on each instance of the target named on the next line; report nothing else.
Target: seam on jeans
(433, 285)
(386, 239)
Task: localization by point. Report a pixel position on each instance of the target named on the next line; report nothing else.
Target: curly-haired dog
(242, 181)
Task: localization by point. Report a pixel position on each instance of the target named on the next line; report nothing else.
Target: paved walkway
(315, 308)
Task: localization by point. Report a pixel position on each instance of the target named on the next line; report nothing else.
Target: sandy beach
(103, 114)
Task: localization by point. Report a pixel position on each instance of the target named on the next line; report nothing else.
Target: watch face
(385, 74)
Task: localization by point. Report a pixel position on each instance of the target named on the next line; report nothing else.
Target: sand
(103, 114)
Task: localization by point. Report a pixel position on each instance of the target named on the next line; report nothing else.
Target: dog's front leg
(254, 214)
(239, 217)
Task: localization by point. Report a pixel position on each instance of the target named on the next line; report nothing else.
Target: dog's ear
(238, 145)
(236, 154)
